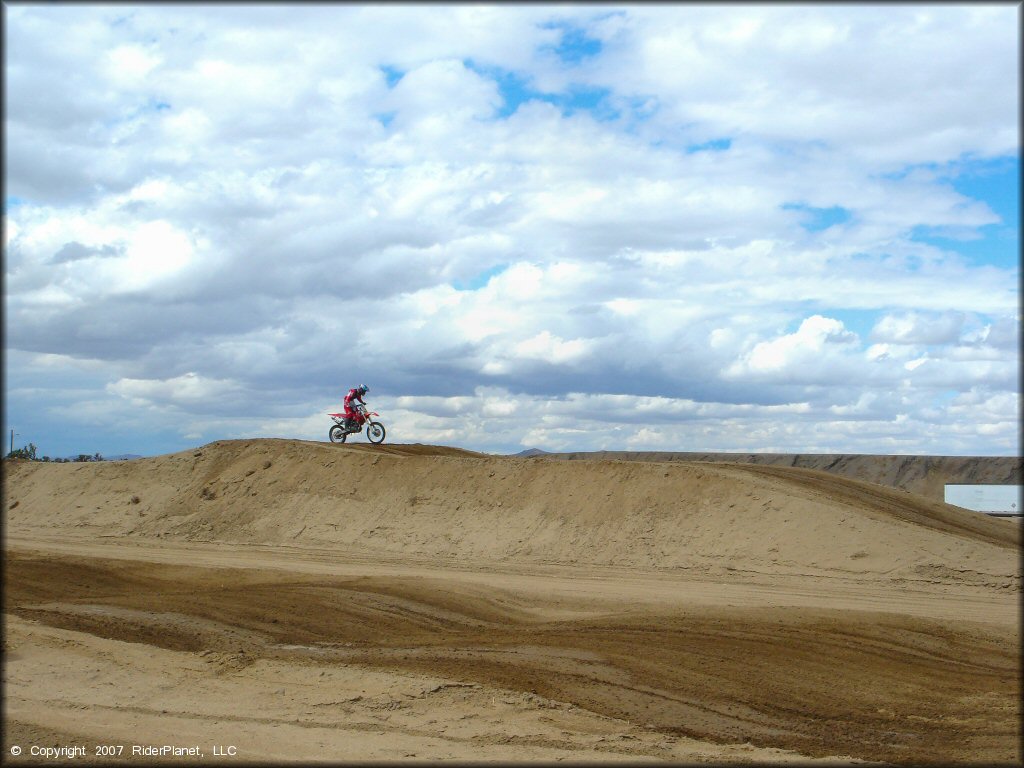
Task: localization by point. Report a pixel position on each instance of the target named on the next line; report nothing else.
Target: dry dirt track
(458, 606)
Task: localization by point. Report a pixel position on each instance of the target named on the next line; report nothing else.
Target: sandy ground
(272, 600)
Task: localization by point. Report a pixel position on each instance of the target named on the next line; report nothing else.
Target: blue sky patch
(997, 182)
(587, 99)
(479, 280)
(860, 321)
(996, 246)
(994, 181)
(574, 46)
(715, 145)
(392, 75)
(818, 219)
(515, 89)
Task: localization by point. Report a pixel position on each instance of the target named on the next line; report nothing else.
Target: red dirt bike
(343, 427)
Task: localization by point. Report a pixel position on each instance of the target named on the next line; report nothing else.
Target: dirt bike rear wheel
(337, 434)
(375, 432)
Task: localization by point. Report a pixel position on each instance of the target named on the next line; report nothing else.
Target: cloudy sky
(571, 227)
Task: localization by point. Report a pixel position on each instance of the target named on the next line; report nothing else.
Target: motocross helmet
(363, 389)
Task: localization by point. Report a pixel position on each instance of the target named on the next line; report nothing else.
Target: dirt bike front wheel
(337, 434)
(375, 432)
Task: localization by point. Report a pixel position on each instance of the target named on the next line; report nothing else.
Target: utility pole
(12, 441)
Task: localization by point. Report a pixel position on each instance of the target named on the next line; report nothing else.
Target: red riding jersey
(351, 399)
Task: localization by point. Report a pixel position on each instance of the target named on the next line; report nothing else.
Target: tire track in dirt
(821, 682)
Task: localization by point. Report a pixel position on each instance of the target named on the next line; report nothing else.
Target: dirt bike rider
(354, 396)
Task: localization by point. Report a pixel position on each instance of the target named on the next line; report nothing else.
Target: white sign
(986, 498)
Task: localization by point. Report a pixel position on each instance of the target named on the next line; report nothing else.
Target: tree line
(28, 453)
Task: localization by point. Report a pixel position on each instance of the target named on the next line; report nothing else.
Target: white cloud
(807, 346)
(441, 94)
(128, 65)
(153, 252)
(547, 347)
(188, 388)
(918, 328)
(261, 204)
(782, 72)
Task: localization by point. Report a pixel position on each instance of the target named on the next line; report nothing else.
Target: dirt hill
(923, 475)
(305, 600)
(450, 504)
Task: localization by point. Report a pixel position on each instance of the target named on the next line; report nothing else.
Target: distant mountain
(118, 457)
(533, 452)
